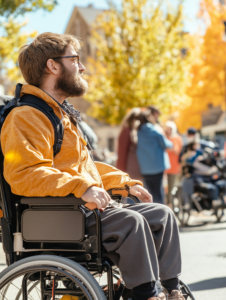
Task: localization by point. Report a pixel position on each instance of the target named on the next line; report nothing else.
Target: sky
(56, 21)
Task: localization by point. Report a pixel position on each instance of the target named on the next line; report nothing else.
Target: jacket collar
(66, 107)
(33, 90)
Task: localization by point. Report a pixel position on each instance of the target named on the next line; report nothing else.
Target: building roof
(89, 14)
(211, 116)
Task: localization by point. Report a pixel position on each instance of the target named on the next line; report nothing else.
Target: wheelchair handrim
(32, 270)
(50, 263)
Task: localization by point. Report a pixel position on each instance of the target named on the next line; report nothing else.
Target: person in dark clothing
(127, 144)
(191, 133)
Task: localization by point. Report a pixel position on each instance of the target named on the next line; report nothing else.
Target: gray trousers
(142, 240)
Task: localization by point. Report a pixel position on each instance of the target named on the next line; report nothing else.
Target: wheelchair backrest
(7, 201)
(7, 103)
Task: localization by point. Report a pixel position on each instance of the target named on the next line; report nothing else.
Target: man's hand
(141, 193)
(96, 195)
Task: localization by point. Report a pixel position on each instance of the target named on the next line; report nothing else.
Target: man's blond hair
(33, 57)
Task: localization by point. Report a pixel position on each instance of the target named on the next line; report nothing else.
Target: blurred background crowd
(156, 105)
(157, 155)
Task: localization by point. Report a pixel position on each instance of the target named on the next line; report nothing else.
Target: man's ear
(52, 67)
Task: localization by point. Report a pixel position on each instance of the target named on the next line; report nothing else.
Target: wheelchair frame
(93, 261)
(183, 214)
(99, 265)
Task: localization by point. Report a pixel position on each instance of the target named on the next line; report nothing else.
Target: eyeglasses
(74, 56)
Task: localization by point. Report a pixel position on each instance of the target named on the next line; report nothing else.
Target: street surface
(203, 246)
(204, 257)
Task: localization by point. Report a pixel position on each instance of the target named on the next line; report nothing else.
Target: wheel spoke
(33, 289)
(4, 296)
(15, 286)
(38, 291)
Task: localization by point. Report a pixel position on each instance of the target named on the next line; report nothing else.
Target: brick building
(214, 125)
(80, 25)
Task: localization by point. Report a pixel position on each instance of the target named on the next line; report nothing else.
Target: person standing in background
(154, 113)
(174, 152)
(127, 143)
(152, 157)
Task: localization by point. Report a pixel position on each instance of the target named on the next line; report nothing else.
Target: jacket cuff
(133, 182)
(82, 188)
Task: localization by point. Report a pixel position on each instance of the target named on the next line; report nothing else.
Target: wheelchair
(195, 192)
(49, 254)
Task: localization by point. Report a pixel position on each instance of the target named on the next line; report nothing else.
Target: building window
(77, 28)
(184, 52)
(220, 138)
(88, 49)
(111, 144)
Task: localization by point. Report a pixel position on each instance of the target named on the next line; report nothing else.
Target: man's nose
(81, 67)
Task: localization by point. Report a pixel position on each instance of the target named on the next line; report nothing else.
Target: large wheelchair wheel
(47, 277)
(186, 291)
(219, 213)
(182, 213)
(130, 200)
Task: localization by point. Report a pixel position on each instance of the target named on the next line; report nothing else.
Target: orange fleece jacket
(27, 139)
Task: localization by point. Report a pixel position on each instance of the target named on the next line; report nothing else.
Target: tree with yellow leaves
(19, 7)
(11, 38)
(208, 71)
(140, 59)
(10, 43)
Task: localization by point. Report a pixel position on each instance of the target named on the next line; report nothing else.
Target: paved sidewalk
(204, 257)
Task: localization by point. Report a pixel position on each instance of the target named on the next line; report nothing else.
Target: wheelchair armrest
(68, 200)
(117, 194)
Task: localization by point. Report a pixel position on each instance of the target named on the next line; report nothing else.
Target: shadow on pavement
(209, 284)
(222, 255)
(191, 227)
(197, 228)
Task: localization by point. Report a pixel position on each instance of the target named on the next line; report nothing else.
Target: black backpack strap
(33, 101)
(11, 104)
(17, 91)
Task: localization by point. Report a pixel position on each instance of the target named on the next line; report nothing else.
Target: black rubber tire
(58, 262)
(186, 291)
(181, 214)
(130, 200)
(219, 213)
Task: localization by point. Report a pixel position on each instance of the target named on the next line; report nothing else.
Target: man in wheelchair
(141, 239)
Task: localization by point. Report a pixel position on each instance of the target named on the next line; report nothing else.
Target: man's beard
(71, 86)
